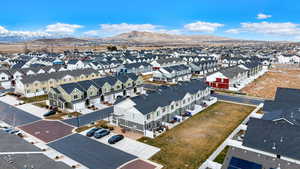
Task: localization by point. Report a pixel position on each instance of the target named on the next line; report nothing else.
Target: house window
(172, 107)
(157, 113)
(75, 96)
(148, 116)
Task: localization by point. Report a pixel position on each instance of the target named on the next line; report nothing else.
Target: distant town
(212, 106)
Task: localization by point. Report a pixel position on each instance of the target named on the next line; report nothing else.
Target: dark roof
(86, 84)
(165, 95)
(284, 107)
(287, 95)
(273, 137)
(70, 87)
(232, 71)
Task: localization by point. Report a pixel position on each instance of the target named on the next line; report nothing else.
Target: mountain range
(134, 37)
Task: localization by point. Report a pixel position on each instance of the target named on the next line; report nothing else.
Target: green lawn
(189, 144)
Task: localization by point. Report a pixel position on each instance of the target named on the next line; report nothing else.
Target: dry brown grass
(188, 145)
(266, 85)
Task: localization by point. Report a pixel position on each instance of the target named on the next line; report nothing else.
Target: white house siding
(95, 101)
(6, 84)
(79, 106)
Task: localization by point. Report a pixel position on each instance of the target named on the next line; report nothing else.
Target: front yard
(189, 144)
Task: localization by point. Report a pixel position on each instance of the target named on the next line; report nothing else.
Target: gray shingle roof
(148, 103)
(273, 137)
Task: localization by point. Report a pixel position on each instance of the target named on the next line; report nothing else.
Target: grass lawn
(34, 99)
(221, 157)
(189, 144)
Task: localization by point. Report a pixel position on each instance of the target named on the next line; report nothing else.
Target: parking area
(136, 148)
(47, 131)
(15, 116)
(90, 117)
(90, 153)
(13, 143)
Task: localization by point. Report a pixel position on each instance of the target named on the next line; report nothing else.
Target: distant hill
(151, 37)
(60, 40)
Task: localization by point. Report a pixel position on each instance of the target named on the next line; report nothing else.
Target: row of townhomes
(270, 142)
(40, 84)
(204, 67)
(137, 68)
(235, 77)
(148, 112)
(173, 74)
(77, 96)
(9, 76)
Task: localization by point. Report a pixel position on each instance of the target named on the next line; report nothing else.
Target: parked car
(51, 112)
(7, 129)
(187, 114)
(101, 133)
(91, 132)
(115, 139)
(13, 131)
(2, 94)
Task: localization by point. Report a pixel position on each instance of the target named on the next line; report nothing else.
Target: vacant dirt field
(189, 144)
(266, 85)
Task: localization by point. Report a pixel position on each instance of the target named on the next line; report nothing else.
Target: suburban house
(75, 64)
(148, 112)
(172, 74)
(39, 84)
(272, 141)
(137, 68)
(226, 78)
(253, 68)
(5, 79)
(166, 62)
(77, 96)
(203, 67)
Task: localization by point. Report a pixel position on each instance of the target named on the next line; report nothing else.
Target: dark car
(92, 132)
(51, 112)
(101, 133)
(115, 139)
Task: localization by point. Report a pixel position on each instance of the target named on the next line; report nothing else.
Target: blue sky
(278, 19)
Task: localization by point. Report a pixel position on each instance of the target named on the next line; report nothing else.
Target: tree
(112, 48)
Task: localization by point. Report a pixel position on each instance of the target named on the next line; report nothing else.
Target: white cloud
(203, 26)
(25, 34)
(114, 29)
(263, 16)
(233, 31)
(54, 30)
(62, 28)
(269, 28)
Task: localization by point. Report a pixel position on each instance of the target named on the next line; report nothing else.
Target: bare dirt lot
(189, 144)
(266, 85)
